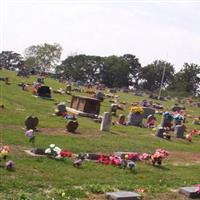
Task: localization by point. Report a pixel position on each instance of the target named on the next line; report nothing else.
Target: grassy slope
(41, 178)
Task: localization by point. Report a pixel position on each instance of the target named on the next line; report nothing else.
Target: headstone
(72, 126)
(113, 108)
(166, 122)
(61, 107)
(122, 195)
(38, 151)
(179, 131)
(99, 96)
(106, 121)
(190, 192)
(31, 122)
(68, 89)
(198, 104)
(44, 91)
(148, 111)
(135, 119)
(177, 108)
(160, 131)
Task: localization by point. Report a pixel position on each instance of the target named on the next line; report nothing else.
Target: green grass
(43, 178)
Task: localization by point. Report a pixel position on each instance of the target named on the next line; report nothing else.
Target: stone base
(122, 195)
(190, 192)
(80, 113)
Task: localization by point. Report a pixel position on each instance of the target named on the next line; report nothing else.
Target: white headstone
(106, 121)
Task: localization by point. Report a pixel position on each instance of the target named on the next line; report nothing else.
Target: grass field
(41, 178)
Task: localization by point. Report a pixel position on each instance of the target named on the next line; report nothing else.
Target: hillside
(40, 178)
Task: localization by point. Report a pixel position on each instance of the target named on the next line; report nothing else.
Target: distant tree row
(113, 71)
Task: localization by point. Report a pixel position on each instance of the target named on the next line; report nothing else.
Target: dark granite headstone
(135, 119)
(72, 126)
(190, 192)
(160, 131)
(179, 131)
(198, 104)
(44, 91)
(61, 107)
(31, 122)
(38, 151)
(122, 195)
(148, 111)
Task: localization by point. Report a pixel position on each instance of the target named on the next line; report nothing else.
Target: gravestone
(179, 131)
(165, 122)
(122, 195)
(44, 91)
(106, 121)
(72, 125)
(40, 80)
(135, 119)
(113, 108)
(99, 96)
(68, 89)
(177, 108)
(198, 104)
(31, 122)
(190, 192)
(160, 131)
(39, 151)
(61, 107)
(148, 111)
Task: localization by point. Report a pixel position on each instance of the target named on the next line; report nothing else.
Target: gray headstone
(198, 104)
(148, 111)
(61, 107)
(179, 131)
(31, 122)
(122, 195)
(190, 192)
(106, 121)
(160, 131)
(135, 119)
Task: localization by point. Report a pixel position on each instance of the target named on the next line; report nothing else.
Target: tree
(10, 60)
(187, 79)
(151, 75)
(81, 67)
(115, 72)
(44, 56)
(134, 68)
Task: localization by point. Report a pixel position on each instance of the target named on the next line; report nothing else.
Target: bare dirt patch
(186, 158)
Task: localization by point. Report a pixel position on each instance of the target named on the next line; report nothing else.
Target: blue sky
(150, 30)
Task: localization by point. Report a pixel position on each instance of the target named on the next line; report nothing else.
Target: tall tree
(81, 67)
(115, 72)
(187, 79)
(134, 68)
(10, 59)
(44, 56)
(151, 75)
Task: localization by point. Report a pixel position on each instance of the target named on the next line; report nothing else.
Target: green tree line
(113, 71)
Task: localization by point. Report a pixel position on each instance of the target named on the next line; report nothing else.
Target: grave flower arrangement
(168, 116)
(56, 153)
(158, 156)
(198, 189)
(178, 118)
(31, 135)
(4, 151)
(137, 109)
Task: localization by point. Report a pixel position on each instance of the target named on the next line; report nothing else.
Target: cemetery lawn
(39, 178)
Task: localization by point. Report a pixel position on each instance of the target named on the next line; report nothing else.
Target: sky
(150, 29)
